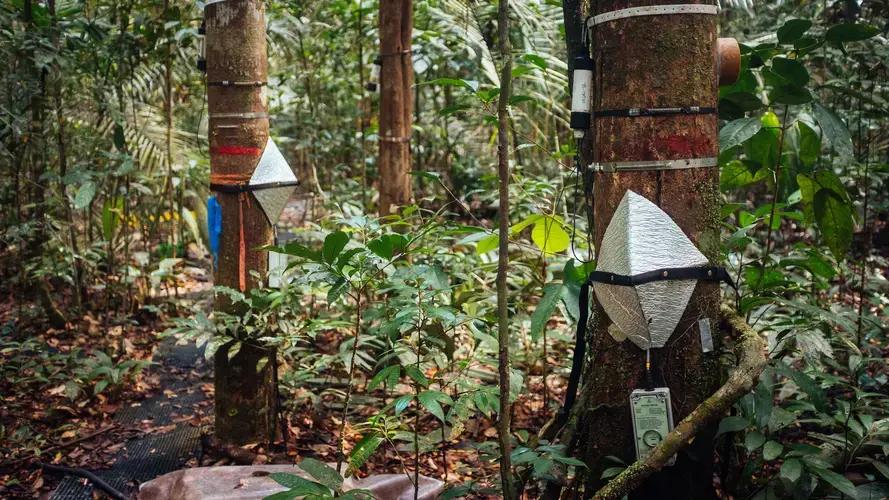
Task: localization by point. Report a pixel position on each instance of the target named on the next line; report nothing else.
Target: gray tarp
(238, 482)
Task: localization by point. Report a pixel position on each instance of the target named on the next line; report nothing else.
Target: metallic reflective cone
(641, 238)
(272, 169)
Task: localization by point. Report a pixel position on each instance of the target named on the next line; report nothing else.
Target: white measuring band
(242, 116)
(653, 10)
(620, 166)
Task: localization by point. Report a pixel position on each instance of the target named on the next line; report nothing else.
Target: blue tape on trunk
(214, 225)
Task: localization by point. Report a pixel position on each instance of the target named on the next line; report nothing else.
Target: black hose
(97, 482)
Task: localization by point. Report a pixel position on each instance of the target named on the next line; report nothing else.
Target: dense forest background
(385, 328)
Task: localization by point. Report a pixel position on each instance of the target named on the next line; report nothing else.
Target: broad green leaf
(542, 465)
(568, 460)
(299, 484)
(334, 243)
(536, 60)
(364, 449)
(454, 108)
(838, 481)
(297, 250)
(738, 131)
(431, 401)
(793, 29)
(486, 245)
(790, 94)
(323, 473)
(402, 403)
(549, 236)
(732, 424)
(336, 290)
(85, 195)
(414, 373)
(381, 247)
(806, 384)
(454, 82)
(611, 472)
(734, 174)
(835, 129)
(882, 468)
(390, 375)
(112, 211)
(518, 99)
(552, 294)
(753, 440)
(809, 144)
(763, 148)
(791, 70)
(531, 219)
(772, 450)
(849, 32)
(791, 469)
(834, 217)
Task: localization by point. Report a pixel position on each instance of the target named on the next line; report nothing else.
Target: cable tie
(634, 112)
(398, 53)
(245, 188)
(226, 83)
(618, 166)
(387, 138)
(240, 116)
(652, 10)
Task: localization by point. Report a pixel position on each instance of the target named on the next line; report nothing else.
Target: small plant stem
(503, 423)
(341, 438)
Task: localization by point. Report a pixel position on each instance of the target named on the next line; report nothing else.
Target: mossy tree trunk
(651, 62)
(236, 52)
(396, 79)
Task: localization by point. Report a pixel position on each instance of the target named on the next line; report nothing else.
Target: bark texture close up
(239, 129)
(652, 62)
(396, 79)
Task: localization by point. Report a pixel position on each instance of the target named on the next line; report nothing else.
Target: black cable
(89, 476)
(243, 188)
(579, 353)
(634, 112)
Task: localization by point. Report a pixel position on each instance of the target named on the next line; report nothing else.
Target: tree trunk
(239, 130)
(651, 62)
(396, 77)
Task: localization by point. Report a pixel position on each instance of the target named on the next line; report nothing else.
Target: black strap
(714, 273)
(243, 188)
(579, 353)
(632, 112)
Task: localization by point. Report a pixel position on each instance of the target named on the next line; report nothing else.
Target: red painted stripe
(237, 151)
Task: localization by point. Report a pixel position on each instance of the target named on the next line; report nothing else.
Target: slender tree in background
(396, 79)
(239, 130)
(651, 62)
(504, 416)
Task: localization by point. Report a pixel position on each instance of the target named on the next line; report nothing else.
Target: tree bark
(236, 52)
(652, 62)
(396, 78)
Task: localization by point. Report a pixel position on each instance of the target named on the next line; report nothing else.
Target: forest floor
(52, 412)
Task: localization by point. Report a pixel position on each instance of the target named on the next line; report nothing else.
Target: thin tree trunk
(396, 77)
(168, 111)
(504, 416)
(236, 52)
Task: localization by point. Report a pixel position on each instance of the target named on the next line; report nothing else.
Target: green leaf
(431, 401)
(848, 32)
(323, 473)
(381, 247)
(536, 60)
(738, 131)
(791, 469)
(414, 373)
(119, 139)
(336, 290)
(772, 450)
(790, 94)
(838, 481)
(299, 484)
(390, 375)
(549, 236)
(809, 144)
(364, 449)
(806, 384)
(735, 174)
(297, 250)
(402, 403)
(791, 70)
(568, 460)
(334, 243)
(454, 108)
(793, 29)
(882, 468)
(111, 215)
(486, 245)
(834, 217)
(542, 465)
(611, 472)
(732, 424)
(518, 99)
(835, 129)
(552, 294)
(753, 440)
(453, 82)
(85, 195)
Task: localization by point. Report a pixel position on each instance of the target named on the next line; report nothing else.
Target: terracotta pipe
(728, 61)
